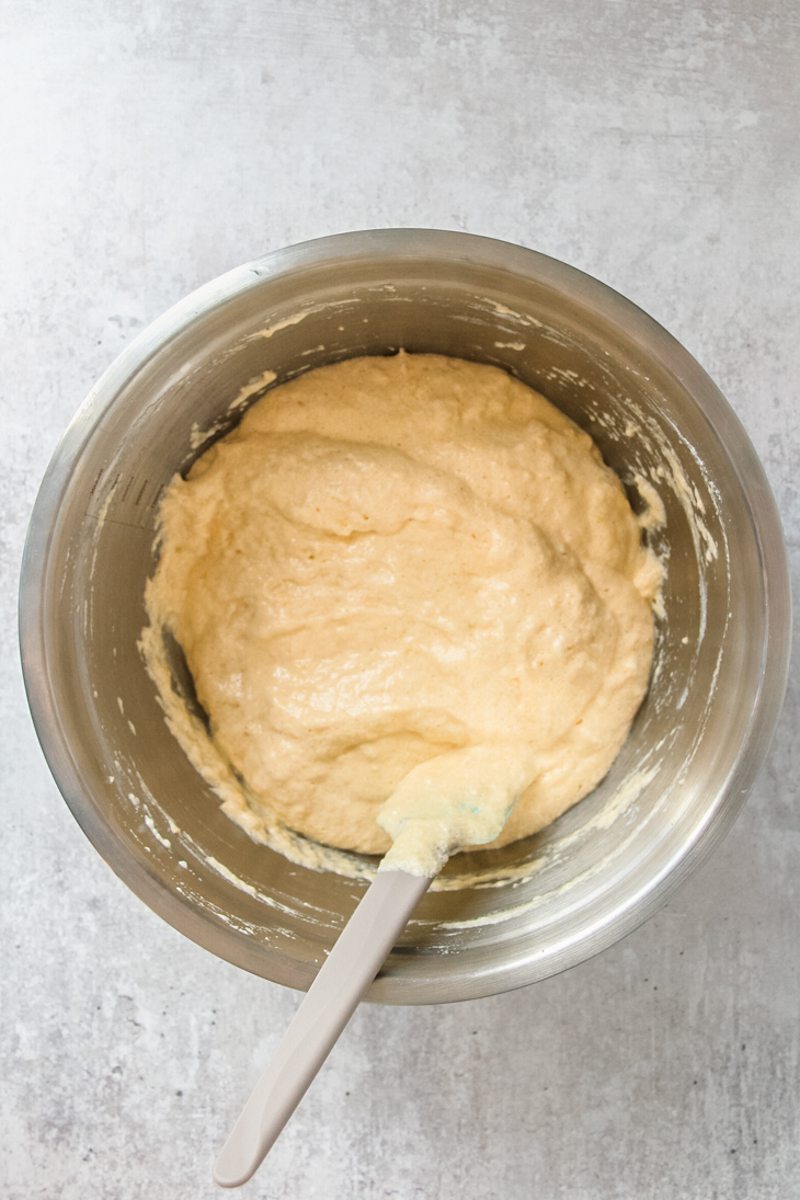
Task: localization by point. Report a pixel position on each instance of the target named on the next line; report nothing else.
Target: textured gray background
(149, 145)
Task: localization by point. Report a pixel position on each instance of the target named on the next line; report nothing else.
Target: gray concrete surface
(147, 146)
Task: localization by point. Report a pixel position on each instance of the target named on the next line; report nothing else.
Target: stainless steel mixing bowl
(722, 646)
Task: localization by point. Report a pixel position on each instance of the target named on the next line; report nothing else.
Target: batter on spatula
(398, 572)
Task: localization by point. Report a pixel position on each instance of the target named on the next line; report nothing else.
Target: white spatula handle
(352, 964)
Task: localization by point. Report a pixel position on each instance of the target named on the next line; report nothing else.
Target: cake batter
(408, 586)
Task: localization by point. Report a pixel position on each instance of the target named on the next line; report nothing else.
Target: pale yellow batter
(405, 583)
